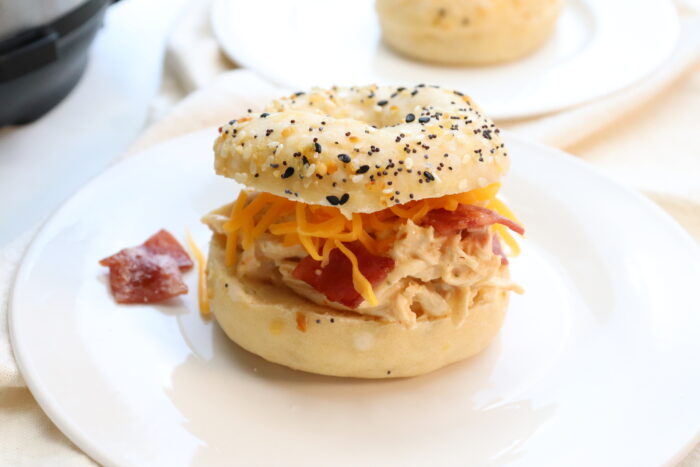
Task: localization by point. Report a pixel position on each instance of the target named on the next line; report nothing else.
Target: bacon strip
(148, 273)
(466, 217)
(335, 280)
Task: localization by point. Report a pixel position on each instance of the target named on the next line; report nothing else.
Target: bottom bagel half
(275, 323)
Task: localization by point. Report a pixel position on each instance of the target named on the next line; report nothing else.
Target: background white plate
(596, 364)
(599, 47)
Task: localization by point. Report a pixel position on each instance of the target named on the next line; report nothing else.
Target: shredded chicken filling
(434, 276)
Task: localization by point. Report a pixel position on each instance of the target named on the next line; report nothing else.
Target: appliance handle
(35, 48)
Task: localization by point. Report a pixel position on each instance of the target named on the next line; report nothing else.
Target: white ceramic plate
(596, 364)
(599, 47)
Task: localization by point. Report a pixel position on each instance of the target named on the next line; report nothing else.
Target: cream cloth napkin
(646, 137)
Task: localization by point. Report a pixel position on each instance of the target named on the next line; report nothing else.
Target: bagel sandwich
(369, 240)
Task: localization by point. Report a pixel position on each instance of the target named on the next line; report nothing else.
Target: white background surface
(591, 367)
(44, 162)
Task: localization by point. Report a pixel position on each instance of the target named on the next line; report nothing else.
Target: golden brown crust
(284, 328)
(467, 32)
(323, 148)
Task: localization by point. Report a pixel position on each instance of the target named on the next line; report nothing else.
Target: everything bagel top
(363, 149)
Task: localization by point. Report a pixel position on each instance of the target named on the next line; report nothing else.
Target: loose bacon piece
(466, 217)
(150, 272)
(335, 280)
(163, 243)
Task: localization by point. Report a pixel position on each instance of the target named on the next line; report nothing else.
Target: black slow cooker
(43, 52)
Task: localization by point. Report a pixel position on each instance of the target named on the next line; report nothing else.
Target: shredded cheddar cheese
(202, 296)
(232, 230)
(360, 282)
(301, 321)
(321, 229)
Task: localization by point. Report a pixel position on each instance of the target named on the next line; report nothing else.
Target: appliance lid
(20, 15)
(34, 48)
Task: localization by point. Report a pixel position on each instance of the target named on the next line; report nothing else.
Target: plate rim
(218, 27)
(53, 410)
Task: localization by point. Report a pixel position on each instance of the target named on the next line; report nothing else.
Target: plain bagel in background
(467, 32)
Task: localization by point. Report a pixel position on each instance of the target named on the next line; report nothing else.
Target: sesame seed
(362, 169)
(410, 118)
(344, 158)
(288, 173)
